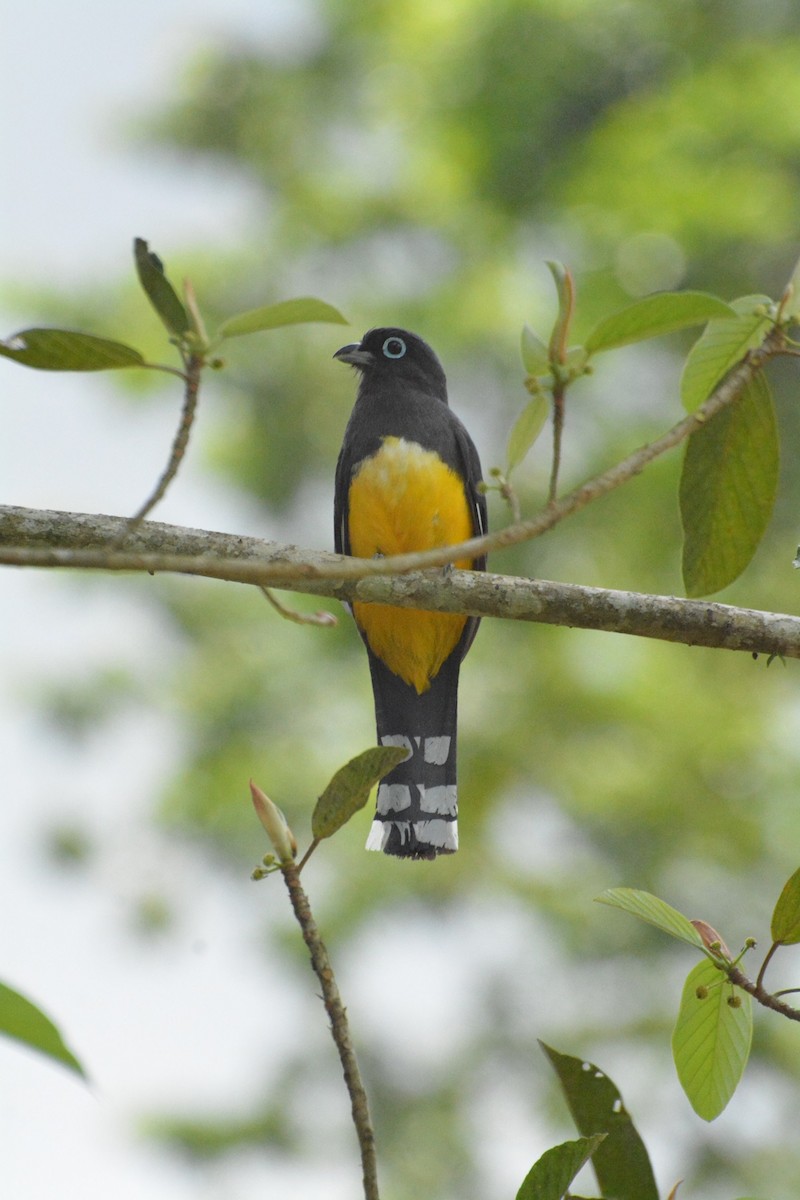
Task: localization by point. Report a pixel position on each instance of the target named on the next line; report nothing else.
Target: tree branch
(761, 995)
(30, 538)
(33, 538)
(20, 524)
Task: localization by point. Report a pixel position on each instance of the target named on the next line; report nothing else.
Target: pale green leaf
(785, 927)
(66, 350)
(274, 316)
(350, 787)
(656, 912)
(727, 489)
(526, 429)
(654, 316)
(550, 1177)
(22, 1020)
(159, 290)
(792, 308)
(711, 1040)
(535, 354)
(575, 359)
(722, 345)
(621, 1162)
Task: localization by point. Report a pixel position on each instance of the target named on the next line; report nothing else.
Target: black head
(395, 356)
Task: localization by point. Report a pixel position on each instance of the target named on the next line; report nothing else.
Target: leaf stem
(765, 963)
(312, 847)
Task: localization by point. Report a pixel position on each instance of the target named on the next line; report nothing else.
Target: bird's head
(394, 356)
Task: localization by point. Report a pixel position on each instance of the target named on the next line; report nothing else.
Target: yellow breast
(403, 499)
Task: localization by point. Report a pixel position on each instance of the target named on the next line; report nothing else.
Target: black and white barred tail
(417, 803)
(417, 806)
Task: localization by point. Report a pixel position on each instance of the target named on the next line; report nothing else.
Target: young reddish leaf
(721, 346)
(66, 350)
(711, 938)
(727, 489)
(274, 824)
(526, 429)
(621, 1162)
(654, 316)
(785, 927)
(711, 1040)
(22, 1020)
(565, 290)
(349, 789)
(656, 912)
(160, 291)
(275, 316)
(550, 1177)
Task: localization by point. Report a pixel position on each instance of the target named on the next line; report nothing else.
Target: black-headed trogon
(407, 479)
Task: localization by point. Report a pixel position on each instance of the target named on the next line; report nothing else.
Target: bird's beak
(354, 355)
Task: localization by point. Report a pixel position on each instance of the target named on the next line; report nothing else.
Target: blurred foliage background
(416, 163)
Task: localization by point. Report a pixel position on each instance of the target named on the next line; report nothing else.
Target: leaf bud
(711, 939)
(274, 823)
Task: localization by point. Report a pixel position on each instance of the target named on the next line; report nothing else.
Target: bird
(408, 479)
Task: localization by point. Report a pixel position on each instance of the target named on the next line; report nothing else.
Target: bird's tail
(417, 804)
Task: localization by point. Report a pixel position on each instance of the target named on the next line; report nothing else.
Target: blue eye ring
(394, 347)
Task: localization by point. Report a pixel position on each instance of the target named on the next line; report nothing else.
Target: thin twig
(559, 396)
(299, 618)
(760, 994)
(559, 341)
(509, 494)
(339, 1027)
(194, 366)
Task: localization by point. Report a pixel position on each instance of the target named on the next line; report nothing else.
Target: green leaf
(785, 927)
(550, 1177)
(656, 912)
(160, 291)
(66, 350)
(727, 489)
(535, 354)
(655, 316)
(274, 316)
(621, 1162)
(349, 789)
(22, 1020)
(711, 1040)
(526, 429)
(722, 345)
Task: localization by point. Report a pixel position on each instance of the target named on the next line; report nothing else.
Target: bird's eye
(394, 347)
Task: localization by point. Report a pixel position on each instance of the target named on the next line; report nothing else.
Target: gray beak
(354, 355)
